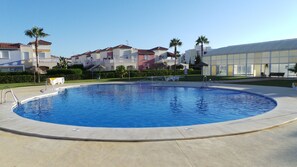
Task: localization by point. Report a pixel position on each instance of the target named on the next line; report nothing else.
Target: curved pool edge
(283, 113)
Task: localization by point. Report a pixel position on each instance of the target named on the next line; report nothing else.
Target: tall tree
(63, 63)
(36, 33)
(201, 41)
(175, 42)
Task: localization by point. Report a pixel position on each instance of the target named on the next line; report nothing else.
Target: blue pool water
(144, 105)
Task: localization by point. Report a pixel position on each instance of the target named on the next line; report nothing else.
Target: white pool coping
(284, 112)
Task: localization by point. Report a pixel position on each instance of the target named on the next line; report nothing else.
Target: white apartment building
(19, 57)
(111, 57)
(191, 54)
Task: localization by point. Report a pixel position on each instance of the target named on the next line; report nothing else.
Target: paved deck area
(276, 147)
(272, 147)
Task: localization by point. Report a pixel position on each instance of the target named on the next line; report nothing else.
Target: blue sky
(76, 26)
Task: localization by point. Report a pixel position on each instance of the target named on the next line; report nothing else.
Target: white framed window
(4, 54)
(26, 56)
(145, 57)
(41, 55)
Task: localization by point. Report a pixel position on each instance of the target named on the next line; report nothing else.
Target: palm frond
(29, 33)
(36, 32)
(202, 40)
(175, 42)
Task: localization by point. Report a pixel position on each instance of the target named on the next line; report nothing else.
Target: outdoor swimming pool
(144, 105)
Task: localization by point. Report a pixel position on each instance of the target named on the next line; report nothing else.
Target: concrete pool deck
(286, 111)
(268, 148)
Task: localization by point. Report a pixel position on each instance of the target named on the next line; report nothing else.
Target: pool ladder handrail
(4, 93)
(204, 82)
(46, 87)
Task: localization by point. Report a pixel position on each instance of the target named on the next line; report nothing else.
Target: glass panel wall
(253, 64)
(275, 57)
(206, 69)
(293, 56)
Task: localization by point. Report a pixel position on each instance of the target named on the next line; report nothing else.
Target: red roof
(107, 49)
(40, 42)
(10, 45)
(122, 47)
(87, 53)
(169, 54)
(145, 52)
(159, 48)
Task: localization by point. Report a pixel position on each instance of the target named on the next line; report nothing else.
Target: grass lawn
(214, 78)
(15, 85)
(281, 83)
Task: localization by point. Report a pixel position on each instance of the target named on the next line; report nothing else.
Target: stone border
(284, 112)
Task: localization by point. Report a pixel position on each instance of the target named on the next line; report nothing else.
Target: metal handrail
(4, 98)
(204, 81)
(5, 87)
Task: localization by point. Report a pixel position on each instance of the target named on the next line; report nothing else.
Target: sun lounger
(54, 81)
(172, 78)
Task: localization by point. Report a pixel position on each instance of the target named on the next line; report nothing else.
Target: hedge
(30, 78)
(76, 74)
(15, 73)
(136, 73)
(64, 71)
(16, 78)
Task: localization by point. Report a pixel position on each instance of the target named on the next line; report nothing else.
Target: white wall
(190, 55)
(13, 56)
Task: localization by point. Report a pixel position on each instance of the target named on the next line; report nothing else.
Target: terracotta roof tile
(10, 45)
(145, 52)
(40, 42)
(122, 47)
(107, 49)
(159, 48)
(169, 54)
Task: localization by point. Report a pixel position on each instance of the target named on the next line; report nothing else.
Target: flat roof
(287, 44)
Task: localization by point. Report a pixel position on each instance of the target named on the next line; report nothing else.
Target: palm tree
(201, 41)
(174, 43)
(36, 33)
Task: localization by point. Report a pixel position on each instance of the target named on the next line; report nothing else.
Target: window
(41, 55)
(145, 57)
(26, 55)
(4, 54)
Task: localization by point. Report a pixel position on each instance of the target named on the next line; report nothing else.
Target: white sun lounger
(172, 78)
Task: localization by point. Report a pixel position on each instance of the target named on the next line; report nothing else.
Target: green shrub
(15, 73)
(64, 71)
(16, 78)
(80, 66)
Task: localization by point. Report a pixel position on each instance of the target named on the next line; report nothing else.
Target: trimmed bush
(76, 74)
(15, 73)
(64, 71)
(16, 78)
(79, 66)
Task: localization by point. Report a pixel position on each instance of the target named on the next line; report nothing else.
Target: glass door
(230, 70)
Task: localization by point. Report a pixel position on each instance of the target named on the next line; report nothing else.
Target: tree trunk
(37, 60)
(201, 58)
(175, 60)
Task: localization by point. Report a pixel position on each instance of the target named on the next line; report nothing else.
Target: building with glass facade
(253, 60)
